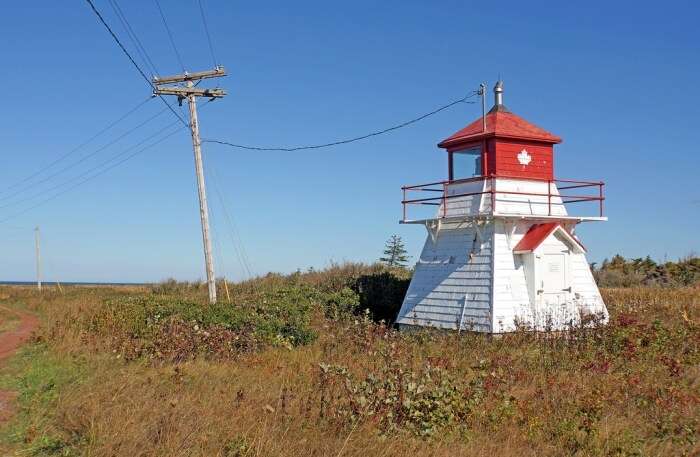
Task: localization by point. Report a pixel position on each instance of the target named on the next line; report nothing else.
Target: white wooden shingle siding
(530, 198)
(469, 278)
(583, 283)
(452, 280)
(510, 288)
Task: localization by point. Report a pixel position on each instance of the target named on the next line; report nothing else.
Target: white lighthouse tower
(501, 251)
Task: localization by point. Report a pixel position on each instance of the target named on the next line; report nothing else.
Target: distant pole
(190, 93)
(38, 258)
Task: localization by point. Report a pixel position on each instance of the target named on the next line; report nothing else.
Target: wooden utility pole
(38, 258)
(482, 93)
(190, 93)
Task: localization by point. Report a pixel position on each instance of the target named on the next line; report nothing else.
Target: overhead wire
(236, 241)
(133, 37)
(206, 30)
(104, 170)
(259, 148)
(170, 35)
(219, 255)
(83, 158)
(101, 172)
(133, 62)
(42, 192)
(233, 232)
(217, 251)
(349, 140)
(79, 147)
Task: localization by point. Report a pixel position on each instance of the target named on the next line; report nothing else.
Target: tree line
(622, 272)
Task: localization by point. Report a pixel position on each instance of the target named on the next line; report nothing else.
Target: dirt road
(10, 341)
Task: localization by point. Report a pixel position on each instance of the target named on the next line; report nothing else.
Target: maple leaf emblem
(524, 157)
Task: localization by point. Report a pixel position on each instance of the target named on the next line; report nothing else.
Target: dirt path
(10, 341)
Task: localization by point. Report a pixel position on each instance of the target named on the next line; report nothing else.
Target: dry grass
(360, 389)
(8, 320)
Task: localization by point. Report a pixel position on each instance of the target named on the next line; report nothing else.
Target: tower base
(499, 275)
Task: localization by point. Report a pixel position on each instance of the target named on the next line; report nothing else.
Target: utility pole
(482, 92)
(190, 93)
(38, 258)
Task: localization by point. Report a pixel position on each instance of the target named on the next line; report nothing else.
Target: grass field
(294, 367)
(8, 320)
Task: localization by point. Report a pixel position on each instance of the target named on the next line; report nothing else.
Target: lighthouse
(501, 251)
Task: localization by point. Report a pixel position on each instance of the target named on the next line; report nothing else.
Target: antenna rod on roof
(482, 92)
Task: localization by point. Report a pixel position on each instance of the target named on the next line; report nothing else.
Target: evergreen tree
(394, 252)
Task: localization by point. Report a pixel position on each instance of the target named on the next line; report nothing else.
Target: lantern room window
(466, 163)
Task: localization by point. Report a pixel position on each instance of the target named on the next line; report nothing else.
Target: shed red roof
(500, 123)
(540, 232)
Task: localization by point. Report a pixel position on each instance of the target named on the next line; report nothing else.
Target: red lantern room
(503, 165)
(502, 144)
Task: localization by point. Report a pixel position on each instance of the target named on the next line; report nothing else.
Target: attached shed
(549, 255)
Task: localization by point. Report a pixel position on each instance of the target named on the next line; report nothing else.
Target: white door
(553, 276)
(554, 290)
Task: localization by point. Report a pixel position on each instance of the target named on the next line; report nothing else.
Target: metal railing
(441, 187)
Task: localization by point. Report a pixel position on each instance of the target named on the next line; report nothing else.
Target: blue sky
(617, 81)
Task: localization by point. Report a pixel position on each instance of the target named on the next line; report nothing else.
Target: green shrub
(382, 293)
(178, 329)
(341, 304)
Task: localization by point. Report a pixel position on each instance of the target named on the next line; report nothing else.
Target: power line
(218, 251)
(349, 140)
(206, 29)
(133, 62)
(89, 170)
(236, 240)
(257, 148)
(105, 170)
(170, 35)
(114, 36)
(82, 145)
(82, 159)
(132, 36)
(89, 178)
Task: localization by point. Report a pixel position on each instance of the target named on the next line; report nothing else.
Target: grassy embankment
(296, 368)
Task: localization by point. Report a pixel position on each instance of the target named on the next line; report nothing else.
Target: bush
(176, 329)
(341, 304)
(173, 323)
(344, 289)
(382, 293)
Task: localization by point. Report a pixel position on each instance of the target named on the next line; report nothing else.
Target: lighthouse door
(553, 289)
(553, 276)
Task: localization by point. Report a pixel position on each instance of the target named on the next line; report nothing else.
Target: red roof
(500, 123)
(540, 232)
